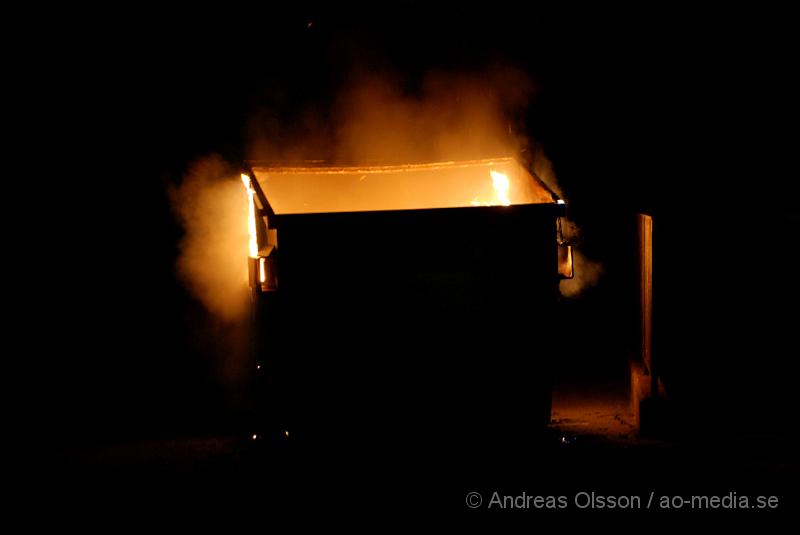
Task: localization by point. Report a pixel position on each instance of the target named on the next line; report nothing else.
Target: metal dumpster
(404, 302)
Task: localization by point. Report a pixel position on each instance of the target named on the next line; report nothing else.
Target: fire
(501, 185)
(251, 217)
(501, 181)
(262, 270)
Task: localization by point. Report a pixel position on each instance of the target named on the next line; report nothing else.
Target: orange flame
(501, 185)
(262, 270)
(251, 216)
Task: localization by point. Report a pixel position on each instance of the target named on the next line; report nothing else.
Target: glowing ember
(251, 220)
(501, 185)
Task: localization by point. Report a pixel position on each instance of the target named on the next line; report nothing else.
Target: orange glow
(565, 261)
(452, 184)
(251, 220)
(500, 184)
(262, 270)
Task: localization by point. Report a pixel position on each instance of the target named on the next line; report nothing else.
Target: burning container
(405, 301)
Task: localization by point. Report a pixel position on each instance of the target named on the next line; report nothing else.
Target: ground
(591, 446)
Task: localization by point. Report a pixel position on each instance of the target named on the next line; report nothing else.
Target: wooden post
(645, 223)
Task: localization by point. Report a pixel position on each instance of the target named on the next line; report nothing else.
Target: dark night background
(687, 114)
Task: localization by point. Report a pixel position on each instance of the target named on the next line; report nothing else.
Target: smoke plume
(375, 118)
(382, 117)
(587, 274)
(212, 208)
